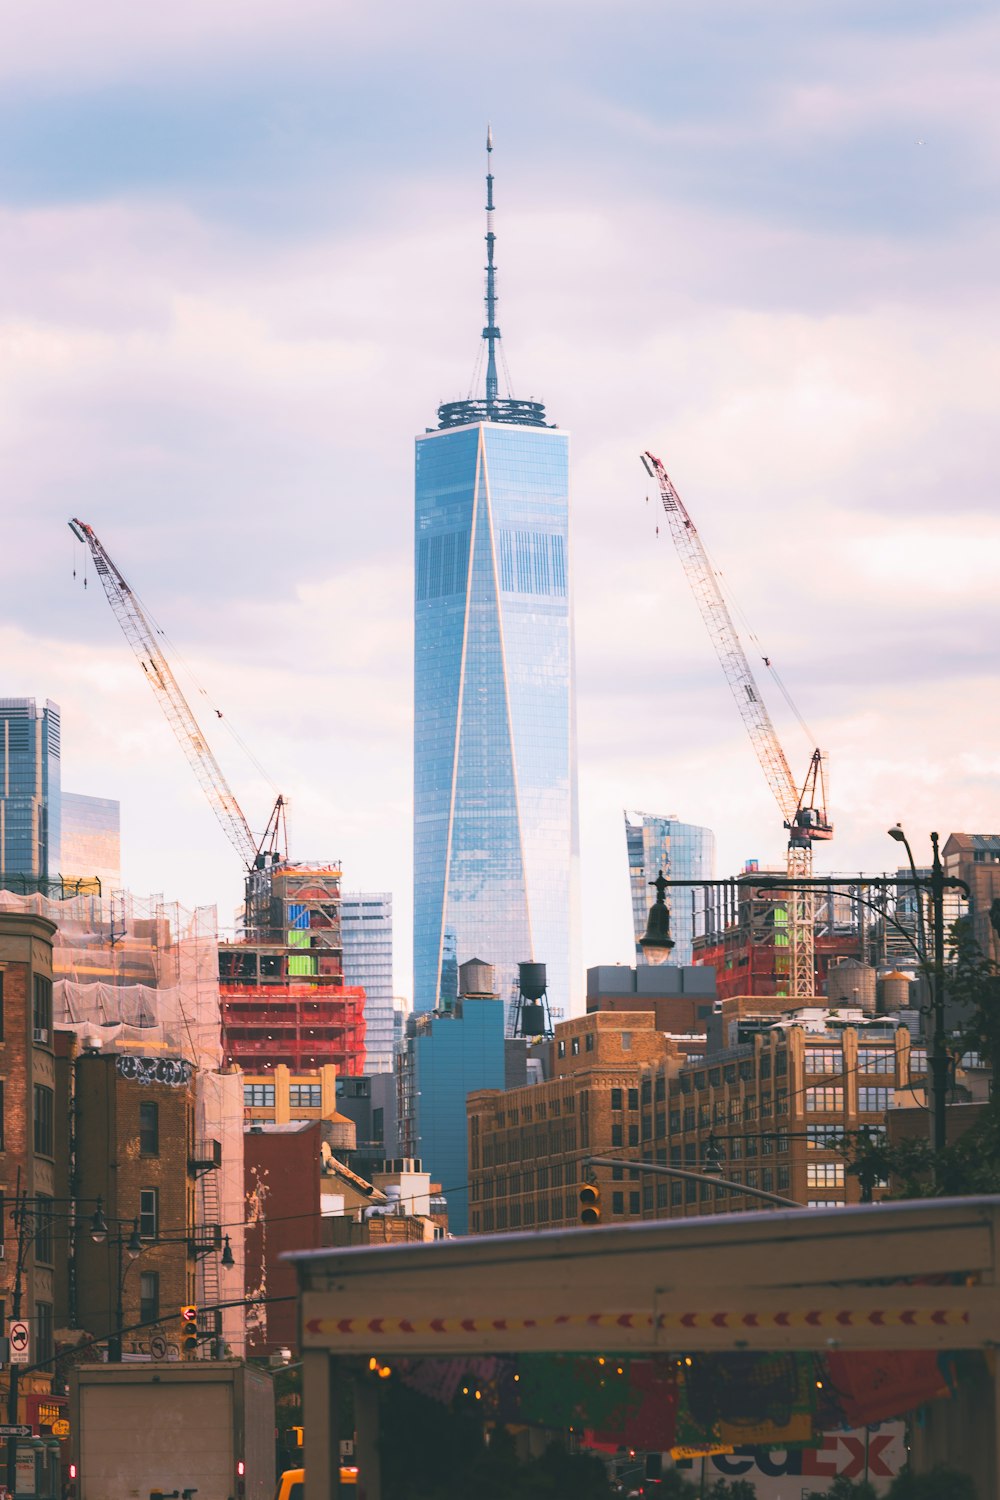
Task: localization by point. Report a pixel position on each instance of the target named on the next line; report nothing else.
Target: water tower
(532, 1016)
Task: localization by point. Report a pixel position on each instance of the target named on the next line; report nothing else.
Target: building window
(149, 1213)
(826, 1203)
(824, 1174)
(823, 1137)
(149, 1296)
(616, 1135)
(876, 1060)
(676, 1192)
(689, 1117)
(2, 1146)
(149, 1129)
(43, 1120)
(626, 1037)
(633, 1203)
(918, 1058)
(258, 1095)
(828, 1100)
(43, 1229)
(824, 1060)
(617, 1174)
(781, 1098)
(616, 1098)
(784, 1179)
(633, 1135)
(875, 1099)
(617, 1203)
(305, 1095)
(574, 1045)
(590, 1041)
(41, 1008)
(1, 1005)
(43, 1330)
(561, 1048)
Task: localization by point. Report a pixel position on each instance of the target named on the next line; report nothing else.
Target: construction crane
(257, 856)
(802, 808)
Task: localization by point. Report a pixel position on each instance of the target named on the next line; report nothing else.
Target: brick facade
(525, 1144)
(141, 1163)
(30, 1108)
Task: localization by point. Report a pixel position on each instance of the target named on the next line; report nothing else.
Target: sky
(242, 264)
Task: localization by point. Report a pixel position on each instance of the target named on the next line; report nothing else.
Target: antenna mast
(491, 332)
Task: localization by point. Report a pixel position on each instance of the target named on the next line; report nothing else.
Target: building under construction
(282, 989)
(870, 920)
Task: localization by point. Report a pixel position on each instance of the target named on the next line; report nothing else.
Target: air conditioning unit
(41, 1034)
(3, 1251)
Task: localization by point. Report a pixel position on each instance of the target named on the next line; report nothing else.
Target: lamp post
(131, 1246)
(938, 1060)
(656, 941)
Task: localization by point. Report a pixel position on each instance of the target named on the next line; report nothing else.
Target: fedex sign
(783, 1474)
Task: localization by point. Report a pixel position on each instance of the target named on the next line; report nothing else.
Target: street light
(656, 941)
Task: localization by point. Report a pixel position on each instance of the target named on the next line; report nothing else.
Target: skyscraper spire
(491, 332)
(495, 408)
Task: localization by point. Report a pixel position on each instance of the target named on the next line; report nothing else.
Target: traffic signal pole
(665, 1171)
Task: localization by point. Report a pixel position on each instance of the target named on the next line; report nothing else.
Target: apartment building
(525, 1144)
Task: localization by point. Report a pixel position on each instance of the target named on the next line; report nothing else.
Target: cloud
(219, 334)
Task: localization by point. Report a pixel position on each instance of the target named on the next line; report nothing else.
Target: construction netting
(133, 972)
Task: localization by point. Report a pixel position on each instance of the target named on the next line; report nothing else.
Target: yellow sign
(60, 1428)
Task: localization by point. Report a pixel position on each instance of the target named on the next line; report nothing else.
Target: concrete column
(366, 1416)
(321, 1421)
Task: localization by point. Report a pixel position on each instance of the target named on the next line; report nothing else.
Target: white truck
(202, 1429)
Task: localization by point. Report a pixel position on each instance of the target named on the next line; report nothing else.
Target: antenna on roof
(491, 332)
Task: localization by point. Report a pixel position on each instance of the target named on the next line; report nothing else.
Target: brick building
(133, 1147)
(525, 1144)
(975, 858)
(774, 1105)
(29, 1109)
(301, 1197)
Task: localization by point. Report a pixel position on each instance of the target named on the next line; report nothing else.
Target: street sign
(14, 1429)
(158, 1346)
(20, 1343)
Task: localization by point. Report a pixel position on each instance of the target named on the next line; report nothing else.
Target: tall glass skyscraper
(91, 840)
(30, 784)
(683, 851)
(366, 933)
(496, 846)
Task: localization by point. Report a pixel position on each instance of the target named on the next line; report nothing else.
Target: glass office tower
(366, 933)
(30, 844)
(91, 840)
(496, 847)
(683, 851)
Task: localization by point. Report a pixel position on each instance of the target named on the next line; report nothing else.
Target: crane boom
(141, 636)
(804, 812)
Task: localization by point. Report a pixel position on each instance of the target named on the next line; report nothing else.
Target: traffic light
(189, 1330)
(590, 1204)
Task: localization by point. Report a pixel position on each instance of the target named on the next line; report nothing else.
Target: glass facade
(496, 844)
(447, 1057)
(683, 851)
(91, 840)
(366, 932)
(30, 789)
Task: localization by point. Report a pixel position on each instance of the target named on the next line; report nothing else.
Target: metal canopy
(871, 1276)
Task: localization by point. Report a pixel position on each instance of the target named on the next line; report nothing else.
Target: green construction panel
(297, 939)
(301, 963)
